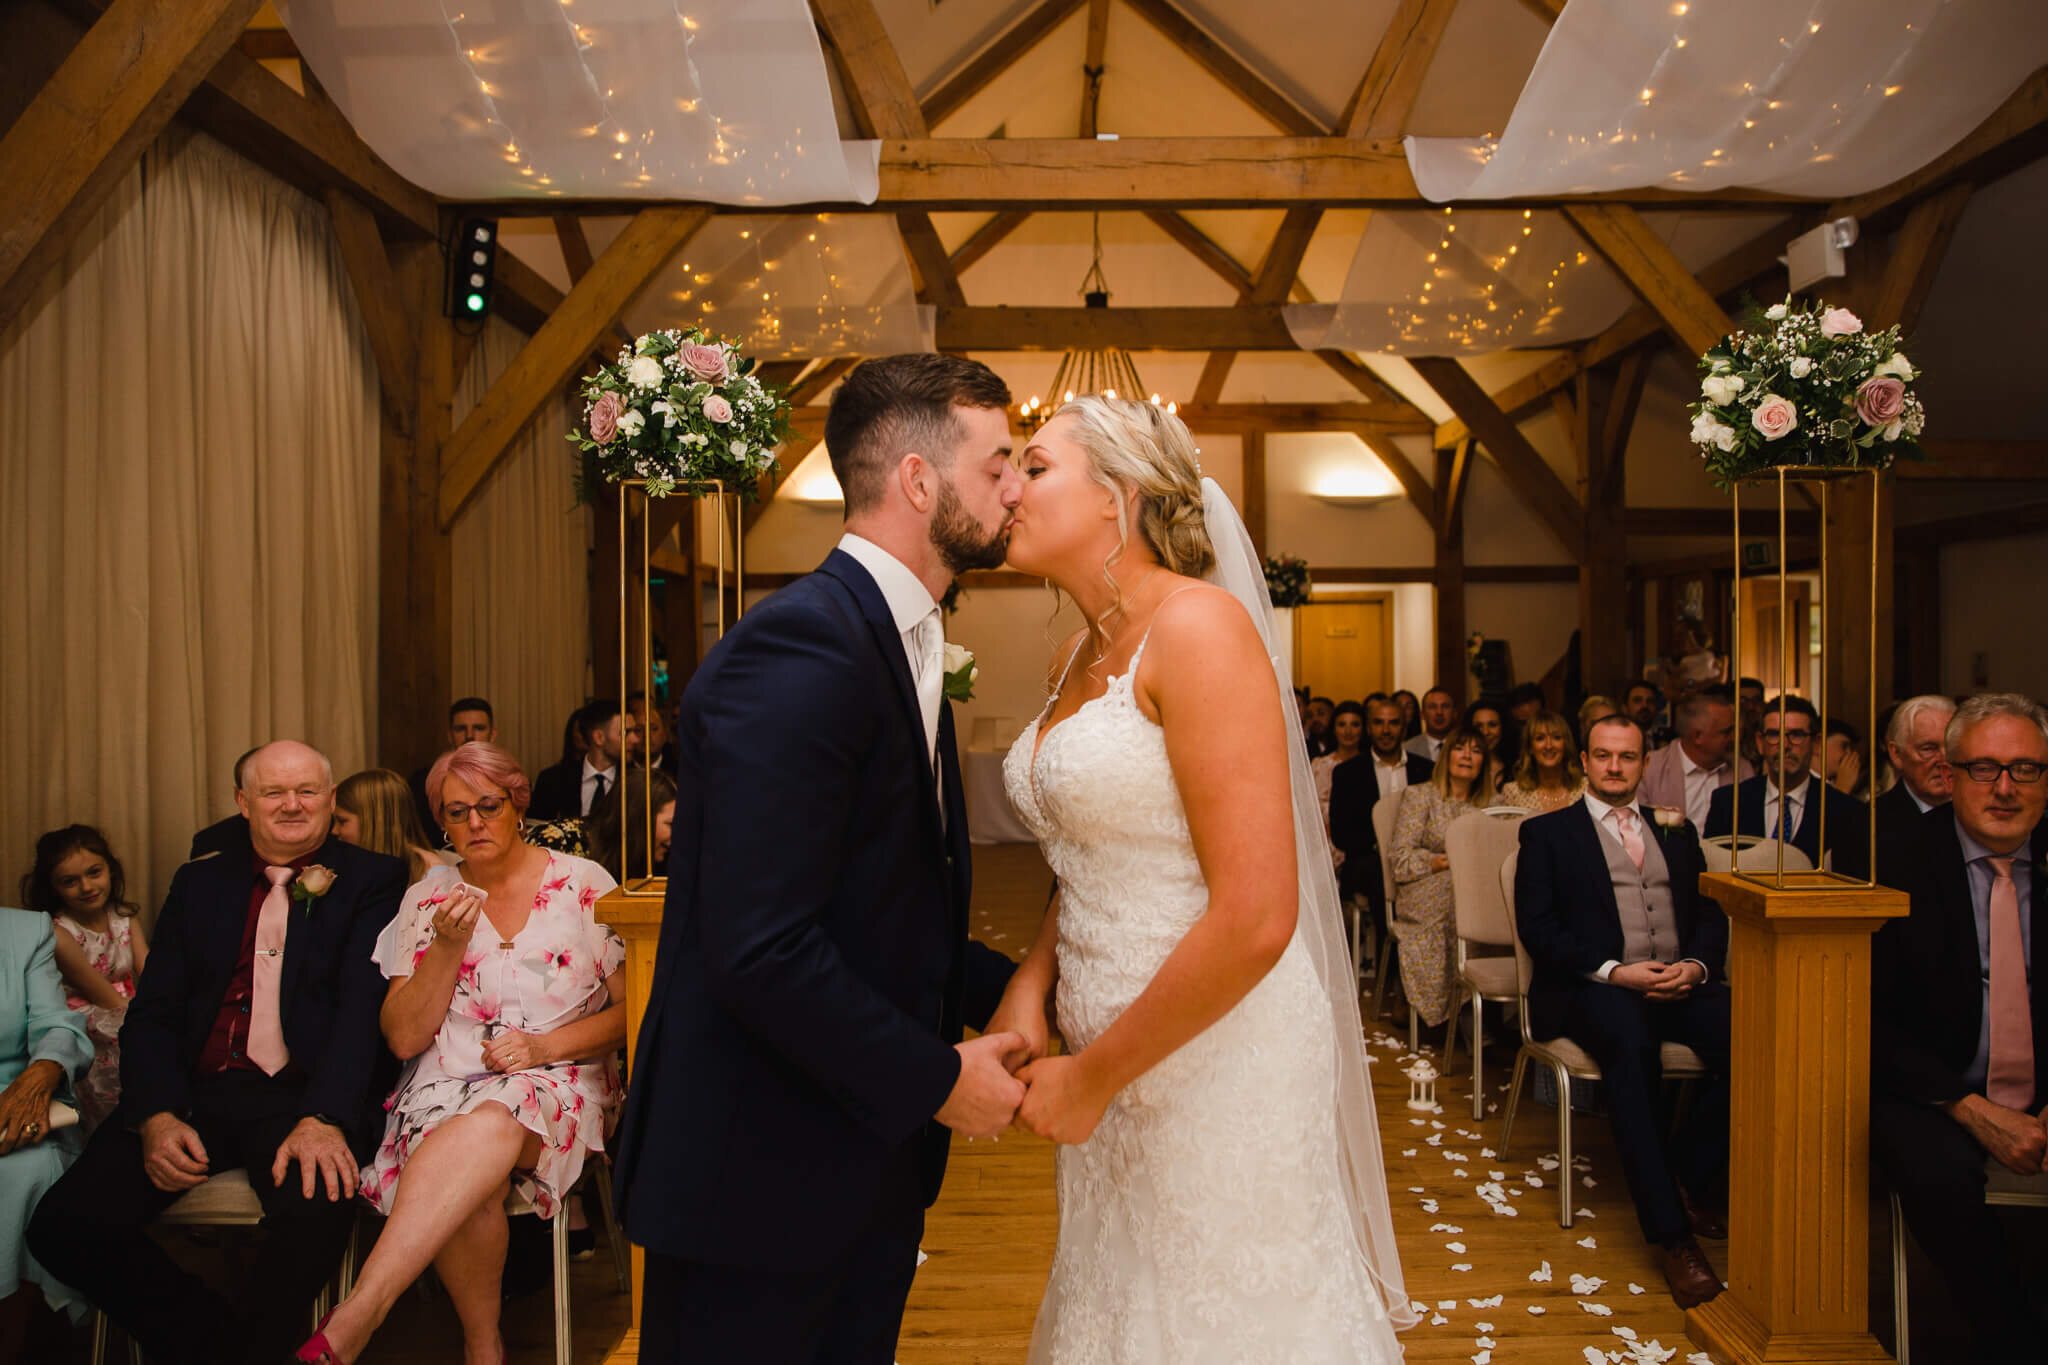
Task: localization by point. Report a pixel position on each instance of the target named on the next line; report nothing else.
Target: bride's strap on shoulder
(1062, 661)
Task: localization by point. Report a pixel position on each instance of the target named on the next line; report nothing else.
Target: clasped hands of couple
(1008, 1077)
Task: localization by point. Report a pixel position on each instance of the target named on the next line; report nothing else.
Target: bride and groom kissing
(801, 1070)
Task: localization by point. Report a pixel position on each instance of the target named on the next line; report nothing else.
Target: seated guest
(1439, 718)
(1749, 700)
(1784, 801)
(43, 1051)
(1496, 732)
(1411, 714)
(1685, 774)
(1547, 776)
(1644, 704)
(1461, 784)
(653, 725)
(251, 1043)
(1595, 708)
(568, 789)
(1347, 729)
(1355, 788)
(621, 827)
(506, 1007)
(1321, 710)
(80, 884)
(1525, 703)
(1841, 759)
(373, 809)
(1607, 904)
(1915, 743)
(1959, 1031)
(468, 718)
(227, 835)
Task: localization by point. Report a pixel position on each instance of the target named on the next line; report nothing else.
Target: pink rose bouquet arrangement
(680, 409)
(1805, 386)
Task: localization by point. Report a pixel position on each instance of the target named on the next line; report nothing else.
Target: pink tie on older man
(2010, 1078)
(266, 1029)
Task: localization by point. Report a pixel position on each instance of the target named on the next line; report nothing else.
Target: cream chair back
(1476, 844)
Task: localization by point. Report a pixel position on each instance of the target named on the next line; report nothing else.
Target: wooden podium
(1799, 1162)
(636, 917)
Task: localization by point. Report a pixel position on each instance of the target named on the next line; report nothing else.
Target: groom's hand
(986, 1096)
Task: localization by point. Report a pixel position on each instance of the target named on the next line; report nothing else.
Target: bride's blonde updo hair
(1143, 447)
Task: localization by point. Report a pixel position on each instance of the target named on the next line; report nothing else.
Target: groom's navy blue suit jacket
(814, 969)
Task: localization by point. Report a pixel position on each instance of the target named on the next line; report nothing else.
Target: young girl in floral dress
(78, 881)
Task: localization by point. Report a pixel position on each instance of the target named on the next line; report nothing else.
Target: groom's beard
(960, 540)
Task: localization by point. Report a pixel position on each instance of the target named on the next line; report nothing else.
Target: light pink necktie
(2010, 1080)
(1631, 842)
(266, 1029)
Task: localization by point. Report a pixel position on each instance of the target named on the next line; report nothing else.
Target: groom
(800, 1063)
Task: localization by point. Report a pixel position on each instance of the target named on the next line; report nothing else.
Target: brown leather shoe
(1686, 1270)
(1707, 1223)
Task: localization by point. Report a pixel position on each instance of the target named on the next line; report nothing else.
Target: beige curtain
(188, 470)
(521, 555)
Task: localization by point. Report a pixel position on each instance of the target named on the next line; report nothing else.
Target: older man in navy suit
(800, 1066)
(1628, 956)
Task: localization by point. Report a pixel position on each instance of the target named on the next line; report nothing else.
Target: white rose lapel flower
(311, 884)
(1667, 819)
(960, 671)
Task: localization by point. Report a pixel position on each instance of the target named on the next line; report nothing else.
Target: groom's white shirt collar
(909, 601)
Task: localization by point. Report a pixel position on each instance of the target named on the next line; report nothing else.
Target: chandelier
(1108, 370)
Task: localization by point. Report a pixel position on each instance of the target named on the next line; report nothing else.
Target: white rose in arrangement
(737, 447)
(1776, 312)
(1892, 429)
(1898, 366)
(631, 421)
(1703, 427)
(645, 373)
(668, 414)
(1801, 366)
(1724, 437)
(1720, 389)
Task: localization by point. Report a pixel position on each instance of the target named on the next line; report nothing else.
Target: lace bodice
(1202, 1223)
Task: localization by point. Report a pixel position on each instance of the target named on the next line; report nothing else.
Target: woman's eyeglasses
(487, 806)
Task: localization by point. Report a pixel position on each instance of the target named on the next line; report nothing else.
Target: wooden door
(1344, 648)
(1791, 672)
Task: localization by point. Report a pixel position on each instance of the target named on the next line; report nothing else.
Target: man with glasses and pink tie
(252, 1042)
(1959, 1030)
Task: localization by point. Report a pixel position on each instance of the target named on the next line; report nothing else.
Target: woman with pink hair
(506, 1003)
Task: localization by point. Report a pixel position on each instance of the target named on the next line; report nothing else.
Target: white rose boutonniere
(961, 671)
(311, 884)
(1667, 817)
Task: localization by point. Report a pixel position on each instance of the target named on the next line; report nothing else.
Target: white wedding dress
(1205, 1221)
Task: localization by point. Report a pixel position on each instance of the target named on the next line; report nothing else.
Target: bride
(1221, 1193)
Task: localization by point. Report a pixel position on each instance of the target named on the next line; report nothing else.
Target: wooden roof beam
(92, 120)
(993, 60)
(1091, 67)
(985, 238)
(1384, 99)
(1219, 61)
(1916, 255)
(1526, 471)
(1365, 420)
(548, 359)
(1277, 274)
(1654, 272)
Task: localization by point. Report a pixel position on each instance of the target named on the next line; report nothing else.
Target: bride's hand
(1061, 1101)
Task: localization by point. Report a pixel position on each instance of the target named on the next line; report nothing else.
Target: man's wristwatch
(329, 1120)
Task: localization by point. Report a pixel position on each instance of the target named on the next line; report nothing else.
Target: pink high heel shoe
(317, 1350)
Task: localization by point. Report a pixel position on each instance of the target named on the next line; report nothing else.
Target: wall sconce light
(812, 482)
(1354, 487)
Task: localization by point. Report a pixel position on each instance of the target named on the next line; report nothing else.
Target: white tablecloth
(990, 817)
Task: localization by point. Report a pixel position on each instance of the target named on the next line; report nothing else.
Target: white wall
(1978, 616)
(1536, 619)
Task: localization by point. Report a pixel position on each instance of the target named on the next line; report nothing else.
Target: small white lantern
(1422, 1086)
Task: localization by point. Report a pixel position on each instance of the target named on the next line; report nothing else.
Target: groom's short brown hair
(888, 407)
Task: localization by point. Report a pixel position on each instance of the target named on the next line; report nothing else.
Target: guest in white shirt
(567, 790)
(1685, 774)
(1787, 801)
(1439, 714)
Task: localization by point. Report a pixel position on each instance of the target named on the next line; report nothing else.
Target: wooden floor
(990, 1237)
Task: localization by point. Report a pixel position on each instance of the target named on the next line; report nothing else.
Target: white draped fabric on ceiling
(1823, 97)
(188, 475)
(521, 552)
(628, 99)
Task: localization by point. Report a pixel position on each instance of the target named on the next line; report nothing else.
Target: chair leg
(1564, 1145)
(1478, 1063)
(1357, 946)
(622, 1259)
(1451, 1028)
(351, 1254)
(1381, 972)
(564, 1355)
(1414, 1028)
(99, 1338)
(1901, 1330)
(1507, 1123)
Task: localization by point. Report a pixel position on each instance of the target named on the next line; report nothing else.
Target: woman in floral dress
(79, 883)
(508, 1008)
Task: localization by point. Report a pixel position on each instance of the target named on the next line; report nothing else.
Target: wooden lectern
(635, 916)
(1799, 1162)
